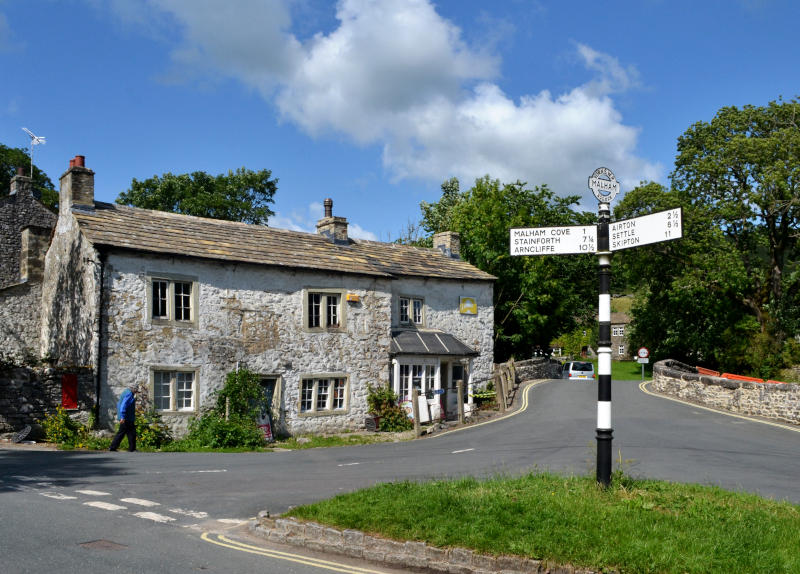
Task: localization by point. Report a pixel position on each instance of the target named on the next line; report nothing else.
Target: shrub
(212, 431)
(382, 402)
(60, 428)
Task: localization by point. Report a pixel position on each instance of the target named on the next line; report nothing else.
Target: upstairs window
(172, 301)
(410, 311)
(323, 310)
(618, 330)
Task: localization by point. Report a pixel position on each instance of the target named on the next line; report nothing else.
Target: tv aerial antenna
(35, 140)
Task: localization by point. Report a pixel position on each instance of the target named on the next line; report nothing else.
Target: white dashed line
(105, 505)
(230, 520)
(154, 516)
(58, 496)
(460, 451)
(94, 492)
(349, 464)
(202, 471)
(192, 513)
(140, 502)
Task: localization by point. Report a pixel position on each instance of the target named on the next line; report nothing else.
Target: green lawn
(633, 526)
(628, 371)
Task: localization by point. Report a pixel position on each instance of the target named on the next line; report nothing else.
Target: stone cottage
(176, 302)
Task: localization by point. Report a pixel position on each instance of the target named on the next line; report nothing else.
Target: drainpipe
(98, 360)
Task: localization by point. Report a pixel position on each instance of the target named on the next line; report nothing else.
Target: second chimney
(334, 228)
(77, 185)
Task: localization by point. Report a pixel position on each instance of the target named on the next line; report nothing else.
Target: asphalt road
(68, 510)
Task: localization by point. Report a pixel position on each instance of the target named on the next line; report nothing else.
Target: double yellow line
(225, 542)
(643, 388)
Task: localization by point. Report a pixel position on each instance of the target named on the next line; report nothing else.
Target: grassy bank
(634, 526)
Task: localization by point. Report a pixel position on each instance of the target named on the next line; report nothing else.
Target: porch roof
(410, 342)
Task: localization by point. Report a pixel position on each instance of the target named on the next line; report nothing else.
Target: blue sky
(375, 104)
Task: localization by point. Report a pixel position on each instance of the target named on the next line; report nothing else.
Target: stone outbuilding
(176, 302)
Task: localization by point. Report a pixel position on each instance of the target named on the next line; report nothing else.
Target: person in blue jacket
(126, 411)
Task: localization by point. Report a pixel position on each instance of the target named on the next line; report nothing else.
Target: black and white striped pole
(605, 187)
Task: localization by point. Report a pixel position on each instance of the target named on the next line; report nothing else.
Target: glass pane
(314, 309)
(307, 395)
(404, 310)
(183, 301)
(405, 382)
(161, 390)
(184, 383)
(417, 311)
(323, 386)
(160, 299)
(417, 372)
(339, 394)
(332, 317)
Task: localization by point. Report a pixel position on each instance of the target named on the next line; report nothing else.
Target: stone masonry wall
(248, 316)
(20, 312)
(27, 394)
(774, 401)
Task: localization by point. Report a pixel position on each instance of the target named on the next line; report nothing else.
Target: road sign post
(602, 240)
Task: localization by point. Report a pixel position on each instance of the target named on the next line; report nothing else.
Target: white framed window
(174, 390)
(323, 310)
(618, 330)
(172, 300)
(323, 395)
(421, 375)
(621, 350)
(411, 311)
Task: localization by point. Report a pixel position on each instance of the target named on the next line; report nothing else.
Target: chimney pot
(21, 171)
(80, 161)
(328, 203)
(72, 162)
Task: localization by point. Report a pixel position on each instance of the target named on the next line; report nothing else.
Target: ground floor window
(416, 376)
(323, 394)
(174, 390)
(621, 350)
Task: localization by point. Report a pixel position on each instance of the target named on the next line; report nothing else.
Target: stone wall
(20, 312)
(18, 211)
(27, 394)
(780, 401)
(537, 368)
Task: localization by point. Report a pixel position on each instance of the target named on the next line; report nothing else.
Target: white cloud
(398, 75)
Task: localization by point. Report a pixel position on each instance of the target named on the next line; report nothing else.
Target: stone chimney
(35, 241)
(334, 228)
(449, 243)
(77, 185)
(21, 184)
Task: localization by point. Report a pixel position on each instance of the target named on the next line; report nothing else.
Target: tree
(535, 298)
(243, 195)
(10, 160)
(743, 168)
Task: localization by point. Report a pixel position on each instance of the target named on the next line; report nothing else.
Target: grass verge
(633, 526)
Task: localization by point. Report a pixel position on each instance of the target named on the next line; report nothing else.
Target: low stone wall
(778, 401)
(27, 394)
(416, 556)
(537, 368)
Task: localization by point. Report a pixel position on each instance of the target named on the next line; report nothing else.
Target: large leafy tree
(536, 298)
(726, 295)
(241, 195)
(10, 160)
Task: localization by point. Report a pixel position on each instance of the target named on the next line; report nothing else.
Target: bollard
(460, 386)
(500, 389)
(415, 411)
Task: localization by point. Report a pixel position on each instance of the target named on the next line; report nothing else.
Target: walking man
(126, 411)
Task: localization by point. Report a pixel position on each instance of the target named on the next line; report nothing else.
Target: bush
(382, 402)
(151, 432)
(212, 431)
(60, 428)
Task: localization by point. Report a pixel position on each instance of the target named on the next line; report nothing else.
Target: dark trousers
(126, 428)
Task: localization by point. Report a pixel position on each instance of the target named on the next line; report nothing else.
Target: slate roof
(428, 343)
(165, 233)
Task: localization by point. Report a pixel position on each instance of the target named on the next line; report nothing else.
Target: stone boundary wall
(27, 394)
(778, 401)
(416, 556)
(537, 368)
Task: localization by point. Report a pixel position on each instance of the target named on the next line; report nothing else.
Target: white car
(577, 370)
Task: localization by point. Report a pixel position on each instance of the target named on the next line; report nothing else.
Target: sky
(376, 103)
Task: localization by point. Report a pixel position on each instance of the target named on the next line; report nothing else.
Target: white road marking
(349, 464)
(154, 516)
(140, 502)
(94, 492)
(203, 471)
(463, 450)
(231, 520)
(30, 478)
(192, 513)
(105, 505)
(58, 496)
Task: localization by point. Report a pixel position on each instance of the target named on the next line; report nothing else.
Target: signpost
(643, 357)
(601, 240)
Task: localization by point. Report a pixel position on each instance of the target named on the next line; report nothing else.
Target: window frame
(618, 330)
(411, 310)
(174, 376)
(324, 310)
(308, 403)
(172, 309)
